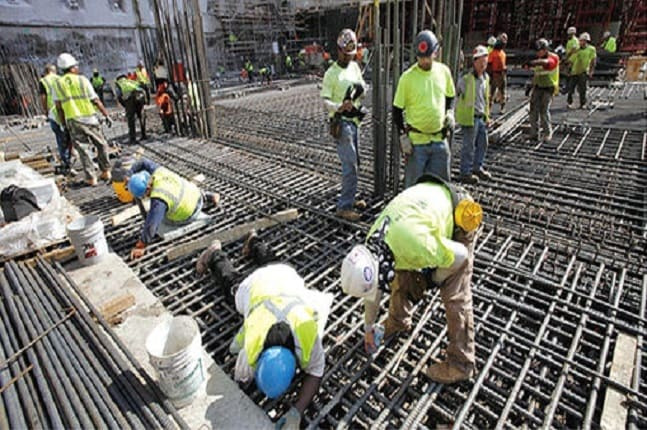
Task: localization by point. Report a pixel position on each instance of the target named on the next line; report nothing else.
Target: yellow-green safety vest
(142, 76)
(272, 301)
(421, 221)
(127, 87)
(97, 81)
(547, 78)
(72, 93)
(181, 196)
(465, 103)
(48, 82)
(610, 44)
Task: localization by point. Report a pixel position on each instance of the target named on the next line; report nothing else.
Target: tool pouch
(335, 126)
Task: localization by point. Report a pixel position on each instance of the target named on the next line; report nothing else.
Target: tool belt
(335, 126)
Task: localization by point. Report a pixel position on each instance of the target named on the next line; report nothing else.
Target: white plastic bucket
(175, 351)
(86, 235)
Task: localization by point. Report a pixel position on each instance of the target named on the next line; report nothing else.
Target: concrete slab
(223, 405)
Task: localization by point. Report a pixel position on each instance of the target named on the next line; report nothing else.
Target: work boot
(548, 136)
(502, 110)
(92, 181)
(360, 204)
(447, 373)
(348, 214)
(203, 260)
(106, 175)
(483, 174)
(215, 198)
(249, 242)
(468, 179)
(570, 106)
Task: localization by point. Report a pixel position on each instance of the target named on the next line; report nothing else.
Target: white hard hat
(606, 34)
(585, 36)
(491, 41)
(479, 51)
(359, 272)
(571, 30)
(65, 61)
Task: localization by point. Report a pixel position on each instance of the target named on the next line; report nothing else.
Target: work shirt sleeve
(143, 164)
(326, 86)
(450, 91)
(460, 88)
(42, 90)
(89, 89)
(317, 363)
(154, 218)
(400, 94)
(552, 63)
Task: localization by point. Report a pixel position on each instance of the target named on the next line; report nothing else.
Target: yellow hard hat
(468, 215)
(122, 192)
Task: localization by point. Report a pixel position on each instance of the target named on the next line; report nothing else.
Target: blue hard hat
(426, 44)
(275, 371)
(138, 183)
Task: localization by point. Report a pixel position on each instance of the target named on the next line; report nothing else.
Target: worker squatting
(423, 239)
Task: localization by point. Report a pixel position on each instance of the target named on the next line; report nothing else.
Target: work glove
(373, 338)
(290, 421)
(108, 121)
(405, 145)
(138, 251)
(450, 122)
(243, 372)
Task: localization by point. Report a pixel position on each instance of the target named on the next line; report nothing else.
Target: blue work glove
(290, 421)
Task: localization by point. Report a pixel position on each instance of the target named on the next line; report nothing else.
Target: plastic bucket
(86, 235)
(175, 351)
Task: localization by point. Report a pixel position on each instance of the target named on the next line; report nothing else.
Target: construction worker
(288, 63)
(143, 79)
(161, 73)
(173, 199)
(76, 104)
(473, 115)
(164, 100)
(132, 98)
(46, 89)
(608, 42)
(265, 74)
(545, 84)
(573, 44)
(340, 80)
(423, 239)
(282, 322)
(425, 94)
(490, 43)
(249, 68)
(582, 66)
(97, 83)
(498, 69)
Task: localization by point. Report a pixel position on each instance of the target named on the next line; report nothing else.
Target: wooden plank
(126, 214)
(614, 412)
(232, 234)
(111, 309)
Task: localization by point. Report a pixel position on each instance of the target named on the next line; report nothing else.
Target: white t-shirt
(290, 278)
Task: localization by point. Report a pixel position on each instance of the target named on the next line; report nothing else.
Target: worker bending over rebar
(423, 239)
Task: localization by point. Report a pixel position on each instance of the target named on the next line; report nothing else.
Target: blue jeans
(61, 143)
(428, 158)
(474, 147)
(347, 149)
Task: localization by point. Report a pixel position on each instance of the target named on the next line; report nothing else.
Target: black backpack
(17, 203)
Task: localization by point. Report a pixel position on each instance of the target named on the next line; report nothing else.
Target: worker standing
(573, 44)
(425, 94)
(46, 89)
(143, 79)
(423, 239)
(342, 91)
(131, 96)
(490, 44)
(473, 115)
(164, 100)
(498, 69)
(608, 43)
(582, 66)
(288, 63)
(545, 84)
(249, 68)
(76, 104)
(173, 199)
(161, 73)
(97, 83)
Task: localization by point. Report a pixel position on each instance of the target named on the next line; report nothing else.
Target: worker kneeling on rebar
(283, 327)
(173, 199)
(424, 238)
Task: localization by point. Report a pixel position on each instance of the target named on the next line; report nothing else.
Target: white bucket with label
(86, 235)
(175, 350)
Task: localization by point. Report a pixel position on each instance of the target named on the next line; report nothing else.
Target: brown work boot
(468, 179)
(348, 214)
(215, 199)
(105, 175)
(446, 373)
(360, 204)
(91, 182)
(247, 246)
(203, 259)
(483, 174)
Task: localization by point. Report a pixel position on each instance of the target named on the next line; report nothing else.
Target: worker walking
(132, 97)
(573, 43)
(342, 91)
(473, 115)
(425, 94)
(164, 100)
(46, 89)
(608, 43)
(143, 79)
(545, 84)
(97, 83)
(423, 239)
(173, 199)
(283, 324)
(582, 66)
(498, 69)
(76, 104)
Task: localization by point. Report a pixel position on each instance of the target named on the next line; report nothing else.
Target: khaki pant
(540, 111)
(499, 81)
(83, 134)
(408, 287)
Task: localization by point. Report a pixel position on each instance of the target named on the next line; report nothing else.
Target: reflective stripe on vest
(465, 103)
(127, 87)
(271, 303)
(48, 82)
(180, 195)
(71, 92)
(547, 78)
